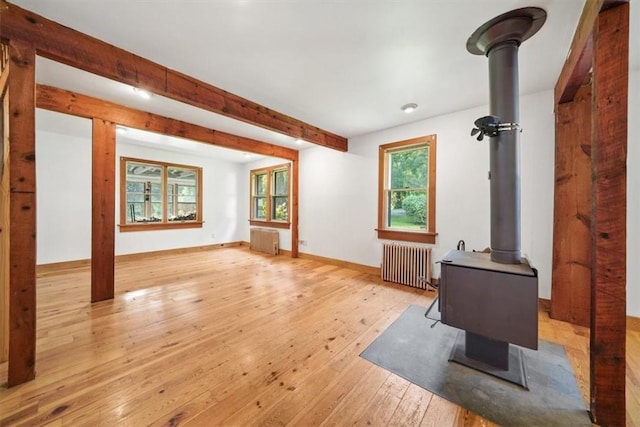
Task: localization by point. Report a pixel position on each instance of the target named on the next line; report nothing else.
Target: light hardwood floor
(229, 337)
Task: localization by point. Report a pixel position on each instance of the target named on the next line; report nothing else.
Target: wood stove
(493, 297)
(494, 304)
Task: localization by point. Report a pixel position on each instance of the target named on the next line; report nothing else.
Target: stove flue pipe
(499, 39)
(504, 157)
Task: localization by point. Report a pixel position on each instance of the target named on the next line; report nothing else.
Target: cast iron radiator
(406, 265)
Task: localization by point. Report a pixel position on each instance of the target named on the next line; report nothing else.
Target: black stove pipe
(499, 40)
(504, 159)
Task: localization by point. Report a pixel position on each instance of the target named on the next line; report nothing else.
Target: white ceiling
(343, 65)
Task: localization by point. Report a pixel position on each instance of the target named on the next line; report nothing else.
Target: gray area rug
(414, 350)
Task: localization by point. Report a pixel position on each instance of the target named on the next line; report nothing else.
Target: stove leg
(497, 358)
(487, 350)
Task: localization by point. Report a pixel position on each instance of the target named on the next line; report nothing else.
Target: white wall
(64, 199)
(63, 205)
(284, 235)
(339, 194)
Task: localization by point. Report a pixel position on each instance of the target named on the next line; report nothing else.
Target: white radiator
(264, 240)
(407, 265)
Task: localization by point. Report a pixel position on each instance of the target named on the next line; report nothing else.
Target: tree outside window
(406, 207)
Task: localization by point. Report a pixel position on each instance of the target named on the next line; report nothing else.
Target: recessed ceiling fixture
(409, 108)
(299, 141)
(247, 155)
(121, 130)
(142, 93)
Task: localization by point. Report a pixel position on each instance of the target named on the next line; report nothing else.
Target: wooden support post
(571, 272)
(609, 157)
(295, 167)
(103, 210)
(22, 214)
(4, 204)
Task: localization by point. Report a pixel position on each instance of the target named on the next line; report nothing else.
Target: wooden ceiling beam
(67, 102)
(580, 58)
(87, 53)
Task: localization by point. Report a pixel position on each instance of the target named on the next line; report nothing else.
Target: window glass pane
(143, 184)
(281, 183)
(156, 192)
(135, 187)
(260, 186)
(408, 168)
(170, 199)
(407, 209)
(182, 194)
(135, 212)
(186, 194)
(260, 207)
(156, 211)
(135, 198)
(142, 172)
(280, 210)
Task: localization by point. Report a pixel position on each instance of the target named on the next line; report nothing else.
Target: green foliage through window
(408, 181)
(270, 194)
(405, 190)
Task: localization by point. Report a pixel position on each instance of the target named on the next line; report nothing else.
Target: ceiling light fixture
(409, 108)
(247, 155)
(121, 130)
(299, 141)
(142, 93)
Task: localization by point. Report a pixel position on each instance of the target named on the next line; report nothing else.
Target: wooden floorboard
(231, 337)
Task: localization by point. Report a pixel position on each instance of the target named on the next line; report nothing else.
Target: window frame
(269, 195)
(388, 233)
(164, 224)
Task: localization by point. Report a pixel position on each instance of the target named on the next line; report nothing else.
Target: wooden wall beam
(67, 102)
(22, 214)
(571, 267)
(82, 51)
(579, 61)
(609, 157)
(103, 209)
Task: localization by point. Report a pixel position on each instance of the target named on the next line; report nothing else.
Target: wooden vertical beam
(295, 166)
(4, 205)
(609, 156)
(22, 214)
(578, 62)
(571, 269)
(103, 210)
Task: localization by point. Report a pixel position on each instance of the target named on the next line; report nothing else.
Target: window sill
(407, 236)
(149, 226)
(273, 224)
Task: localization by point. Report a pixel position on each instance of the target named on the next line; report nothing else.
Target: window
(155, 195)
(407, 190)
(270, 196)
